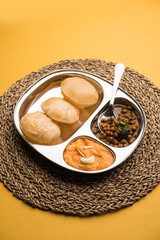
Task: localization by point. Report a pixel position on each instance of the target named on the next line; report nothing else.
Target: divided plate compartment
(49, 86)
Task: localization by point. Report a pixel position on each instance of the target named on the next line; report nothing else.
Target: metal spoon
(119, 70)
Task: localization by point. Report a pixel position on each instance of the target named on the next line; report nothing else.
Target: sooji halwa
(121, 131)
(88, 155)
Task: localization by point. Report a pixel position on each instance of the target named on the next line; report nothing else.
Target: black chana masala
(118, 132)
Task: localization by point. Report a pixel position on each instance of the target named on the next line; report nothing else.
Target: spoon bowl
(119, 70)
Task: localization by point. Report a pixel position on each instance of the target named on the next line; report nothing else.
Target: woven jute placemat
(43, 184)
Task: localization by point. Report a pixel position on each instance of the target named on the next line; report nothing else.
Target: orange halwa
(85, 148)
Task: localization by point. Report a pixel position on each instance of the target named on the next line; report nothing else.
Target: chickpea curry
(120, 131)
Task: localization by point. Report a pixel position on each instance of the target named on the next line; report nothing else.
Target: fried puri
(40, 129)
(79, 92)
(60, 110)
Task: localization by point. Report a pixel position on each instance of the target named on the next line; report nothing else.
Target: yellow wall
(34, 34)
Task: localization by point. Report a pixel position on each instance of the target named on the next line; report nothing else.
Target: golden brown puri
(40, 129)
(79, 92)
(60, 110)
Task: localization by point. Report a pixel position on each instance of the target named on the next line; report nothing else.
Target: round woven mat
(43, 184)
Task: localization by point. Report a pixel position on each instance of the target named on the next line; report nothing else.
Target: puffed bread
(60, 110)
(40, 129)
(79, 92)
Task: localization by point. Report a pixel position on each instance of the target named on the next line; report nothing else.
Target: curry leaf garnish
(124, 126)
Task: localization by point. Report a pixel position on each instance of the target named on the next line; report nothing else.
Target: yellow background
(34, 34)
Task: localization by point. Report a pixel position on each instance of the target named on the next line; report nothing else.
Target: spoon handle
(119, 70)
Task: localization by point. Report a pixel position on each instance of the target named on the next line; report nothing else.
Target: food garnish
(87, 147)
(124, 126)
(80, 153)
(89, 160)
(96, 153)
